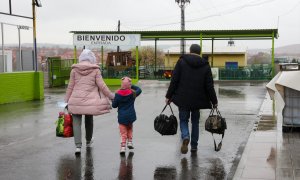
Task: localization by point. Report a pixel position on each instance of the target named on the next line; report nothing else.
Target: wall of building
(219, 59)
(171, 59)
(21, 86)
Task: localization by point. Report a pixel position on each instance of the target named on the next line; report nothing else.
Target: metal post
(10, 12)
(182, 42)
(155, 54)
(102, 58)
(3, 57)
(75, 55)
(20, 55)
(201, 44)
(137, 61)
(119, 25)
(273, 59)
(181, 4)
(212, 52)
(34, 36)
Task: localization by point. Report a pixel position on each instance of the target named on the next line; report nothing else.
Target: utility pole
(182, 4)
(38, 4)
(119, 25)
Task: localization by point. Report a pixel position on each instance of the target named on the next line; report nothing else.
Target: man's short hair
(195, 48)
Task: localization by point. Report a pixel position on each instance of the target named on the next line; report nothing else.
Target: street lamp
(38, 3)
(182, 4)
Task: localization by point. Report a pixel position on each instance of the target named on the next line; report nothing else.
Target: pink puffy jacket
(87, 93)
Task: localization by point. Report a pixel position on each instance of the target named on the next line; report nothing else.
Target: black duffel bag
(166, 125)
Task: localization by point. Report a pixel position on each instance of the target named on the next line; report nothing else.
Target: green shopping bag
(60, 125)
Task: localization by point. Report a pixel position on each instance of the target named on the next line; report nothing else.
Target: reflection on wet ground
(162, 173)
(27, 133)
(125, 171)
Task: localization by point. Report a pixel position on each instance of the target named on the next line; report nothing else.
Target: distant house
(228, 57)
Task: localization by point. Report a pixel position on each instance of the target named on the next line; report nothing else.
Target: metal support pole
(212, 52)
(34, 36)
(201, 44)
(182, 42)
(3, 56)
(102, 58)
(137, 62)
(155, 54)
(10, 12)
(75, 55)
(20, 51)
(273, 59)
(119, 25)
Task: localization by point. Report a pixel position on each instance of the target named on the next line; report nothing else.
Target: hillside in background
(290, 50)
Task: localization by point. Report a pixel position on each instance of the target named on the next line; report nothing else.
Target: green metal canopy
(250, 34)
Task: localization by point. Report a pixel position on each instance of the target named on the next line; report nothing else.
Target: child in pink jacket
(124, 101)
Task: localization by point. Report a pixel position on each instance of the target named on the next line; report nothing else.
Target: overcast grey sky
(57, 17)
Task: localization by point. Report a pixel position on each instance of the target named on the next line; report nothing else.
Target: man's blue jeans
(184, 116)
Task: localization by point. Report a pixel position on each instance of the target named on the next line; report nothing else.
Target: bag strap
(218, 112)
(66, 110)
(212, 112)
(220, 144)
(165, 108)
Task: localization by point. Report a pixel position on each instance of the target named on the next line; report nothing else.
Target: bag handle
(213, 110)
(218, 112)
(220, 144)
(165, 108)
(66, 109)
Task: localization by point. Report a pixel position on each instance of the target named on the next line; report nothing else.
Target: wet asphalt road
(29, 149)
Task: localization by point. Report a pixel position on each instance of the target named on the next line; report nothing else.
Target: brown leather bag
(215, 123)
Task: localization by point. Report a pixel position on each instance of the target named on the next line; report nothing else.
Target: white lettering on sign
(107, 39)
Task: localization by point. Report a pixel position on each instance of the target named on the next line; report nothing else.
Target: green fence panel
(59, 71)
(254, 72)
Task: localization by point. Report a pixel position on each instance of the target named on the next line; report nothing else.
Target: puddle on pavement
(216, 169)
(231, 93)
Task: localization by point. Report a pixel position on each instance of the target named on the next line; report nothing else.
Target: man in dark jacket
(191, 89)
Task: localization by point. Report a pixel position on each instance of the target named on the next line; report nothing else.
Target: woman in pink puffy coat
(87, 94)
